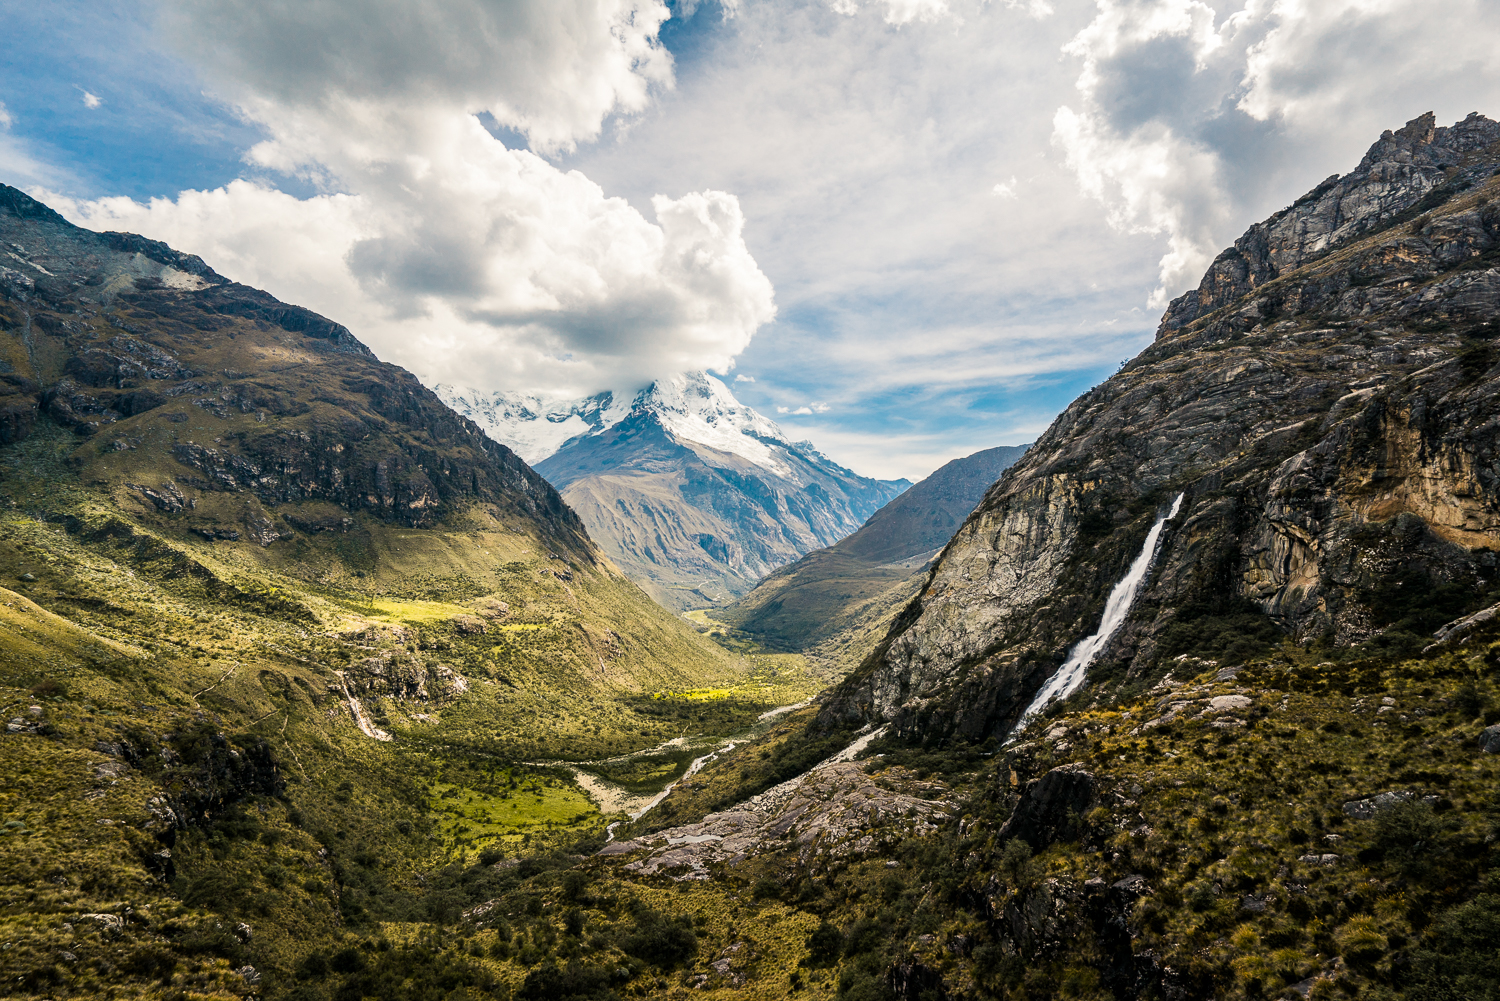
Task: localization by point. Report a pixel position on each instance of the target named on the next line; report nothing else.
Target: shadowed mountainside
(834, 603)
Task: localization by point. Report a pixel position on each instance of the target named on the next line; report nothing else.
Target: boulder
(1489, 740)
(1049, 806)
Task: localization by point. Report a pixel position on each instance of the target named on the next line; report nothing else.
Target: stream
(612, 798)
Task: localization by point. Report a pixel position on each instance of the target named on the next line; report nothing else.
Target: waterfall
(1069, 677)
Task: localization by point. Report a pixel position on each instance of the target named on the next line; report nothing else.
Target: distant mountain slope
(926, 516)
(835, 603)
(693, 494)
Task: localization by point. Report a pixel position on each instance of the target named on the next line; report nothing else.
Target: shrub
(860, 985)
(550, 982)
(1360, 941)
(824, 944)
(864, 936)
(661, 940)
(1016, 866)
(1460, 959)
(1413, 838)
(1468, 701)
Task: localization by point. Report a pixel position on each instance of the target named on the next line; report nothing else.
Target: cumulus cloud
(445, 250)
(1186, 117)
(90, 100)
(744, 378)
(806, 408)
(550, 69)
(899, 11)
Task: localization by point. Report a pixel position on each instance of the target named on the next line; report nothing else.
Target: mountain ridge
(1325, 423)
(693, 494)
(833, 603)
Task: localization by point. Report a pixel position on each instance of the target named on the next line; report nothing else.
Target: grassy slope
(118, 646)
(1210, 817)
(1220, 822)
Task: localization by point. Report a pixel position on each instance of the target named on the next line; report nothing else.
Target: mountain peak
(1404, 173)
(694, 494)
(692, 406)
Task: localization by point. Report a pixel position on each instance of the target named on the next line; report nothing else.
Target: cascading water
(1069, 677)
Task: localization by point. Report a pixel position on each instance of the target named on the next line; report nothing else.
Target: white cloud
(550, 69)
(744, 378)
(899, 12)
(1006, 189)
(1035, 8)
(90, 100)
(443, 249)
(5, 119)
(806, 408)
(1187, 119)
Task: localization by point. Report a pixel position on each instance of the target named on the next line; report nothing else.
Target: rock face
(697, 497)
(1327, 404)
(181, 384)
(836, 811)
(838, 600)
(1043, 814)
(1406, 172)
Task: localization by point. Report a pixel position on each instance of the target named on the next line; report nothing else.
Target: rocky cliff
(179, 382)
(1326, 401)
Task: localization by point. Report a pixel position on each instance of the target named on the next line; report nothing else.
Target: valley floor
(200, 800)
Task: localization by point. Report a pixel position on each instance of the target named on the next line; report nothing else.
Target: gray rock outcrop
(1489, 740)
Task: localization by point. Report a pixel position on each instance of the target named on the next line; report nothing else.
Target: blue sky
(905, 229)
(154, 131)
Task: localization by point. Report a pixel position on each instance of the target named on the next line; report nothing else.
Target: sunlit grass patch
(515, 803)
(397, 610)
(699, 695)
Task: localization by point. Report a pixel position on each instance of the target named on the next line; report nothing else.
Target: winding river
(612, 798)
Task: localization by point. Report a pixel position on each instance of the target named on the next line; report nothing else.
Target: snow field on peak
(694, 407)
(697, 407)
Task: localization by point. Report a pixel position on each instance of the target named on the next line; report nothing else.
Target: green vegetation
(194, 765)
(441, 862)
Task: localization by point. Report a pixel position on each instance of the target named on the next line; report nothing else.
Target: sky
(906, 230)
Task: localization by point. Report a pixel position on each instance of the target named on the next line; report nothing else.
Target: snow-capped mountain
(694, 406)
(694, 494)
(532, 426)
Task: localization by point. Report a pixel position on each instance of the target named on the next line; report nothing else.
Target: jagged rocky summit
(1326, 402)
(695, 495)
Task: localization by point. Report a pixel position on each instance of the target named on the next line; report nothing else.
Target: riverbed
(612, 798)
